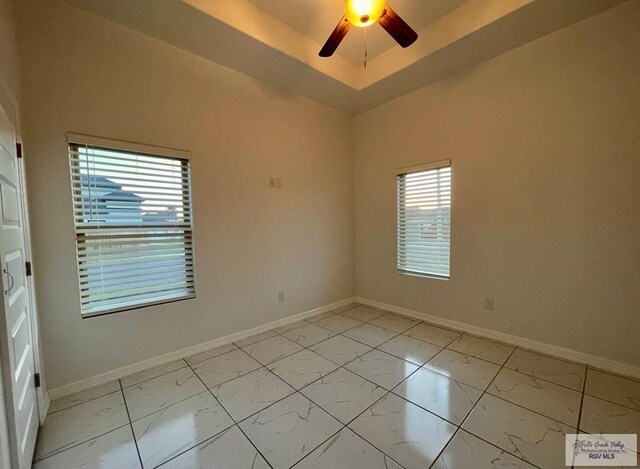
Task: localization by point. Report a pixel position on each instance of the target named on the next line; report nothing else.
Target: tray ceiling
(278, 41)
(317, 18)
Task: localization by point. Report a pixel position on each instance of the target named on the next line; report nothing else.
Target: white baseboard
(118, 373)
(595, 361)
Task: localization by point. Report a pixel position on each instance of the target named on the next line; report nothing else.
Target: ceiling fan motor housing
(363, 13)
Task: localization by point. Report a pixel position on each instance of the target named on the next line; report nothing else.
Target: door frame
(42, 391)
(9, 105)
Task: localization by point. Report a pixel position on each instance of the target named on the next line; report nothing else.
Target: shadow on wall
(279, 93)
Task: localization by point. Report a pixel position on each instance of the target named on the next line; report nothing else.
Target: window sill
(138, 306)
(423, 275)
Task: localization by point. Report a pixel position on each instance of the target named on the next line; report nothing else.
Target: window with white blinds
(132, 213)
(424, 219)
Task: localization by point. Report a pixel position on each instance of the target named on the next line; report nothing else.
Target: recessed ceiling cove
(277, 41)
(317, 18)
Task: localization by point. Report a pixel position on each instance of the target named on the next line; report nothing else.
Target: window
(424, 219)
(132, 214)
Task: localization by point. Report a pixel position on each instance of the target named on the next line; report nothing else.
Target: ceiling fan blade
(336, 38)
(397, 28)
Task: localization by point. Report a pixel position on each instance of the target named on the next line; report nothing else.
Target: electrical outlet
(275, 183)
(488, 303)
(281, 296)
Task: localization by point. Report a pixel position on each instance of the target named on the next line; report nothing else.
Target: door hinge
(28, 268)
(19, 150)
(36, 378)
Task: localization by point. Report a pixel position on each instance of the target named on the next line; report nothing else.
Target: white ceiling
(317, 18)
(277, 41)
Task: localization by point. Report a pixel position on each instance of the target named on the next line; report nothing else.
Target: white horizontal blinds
(132, 214)
(424, 219)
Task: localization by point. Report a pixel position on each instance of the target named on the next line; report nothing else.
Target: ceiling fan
(363, 13)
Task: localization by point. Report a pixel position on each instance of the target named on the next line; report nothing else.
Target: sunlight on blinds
(424, 221)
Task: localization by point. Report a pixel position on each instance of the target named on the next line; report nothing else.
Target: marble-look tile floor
(352, 388)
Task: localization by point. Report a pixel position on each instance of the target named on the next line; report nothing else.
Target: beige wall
(545, 149)
(8, 51)
(544, 142)
(87, 75)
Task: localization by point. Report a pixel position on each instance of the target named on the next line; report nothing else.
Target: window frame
(80, 140)
(401, 172)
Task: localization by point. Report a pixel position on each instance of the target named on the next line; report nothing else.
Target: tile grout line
(338, 367)
(237, 423)
(316, 447)
(424, 408)
(313, 345)
(530, 410)
(187, 364)
(75, 445)
(230, 416)
(264, 366)
(84, 402)
(612, 402)
(495, 376)
(298, 391)
(167, 406)
(154, 377)
(464, 430)
(295, 391)
(343, 366)
(476, 404)
(485, 391)
(210, 358)
(258, 411)
(552, 358)
(240, 375)
(184, 398)
(503, 365)
(342, 334)
(380, 399)
(444, 448)
(133, 434)
(474, 356)
(122, 388)
(514, 403)
(345, 425)
(584, 386)
(542, 379)
(377, 347)
(397, 334)
(387, 392)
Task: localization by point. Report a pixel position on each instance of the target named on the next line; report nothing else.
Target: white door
(5, 458)
(16, 336)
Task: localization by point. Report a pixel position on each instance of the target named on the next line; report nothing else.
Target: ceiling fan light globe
(362, 13)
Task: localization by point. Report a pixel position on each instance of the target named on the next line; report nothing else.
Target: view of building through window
(132, 215)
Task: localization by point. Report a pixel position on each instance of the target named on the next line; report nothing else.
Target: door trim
(9, 106)
(42, 393)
